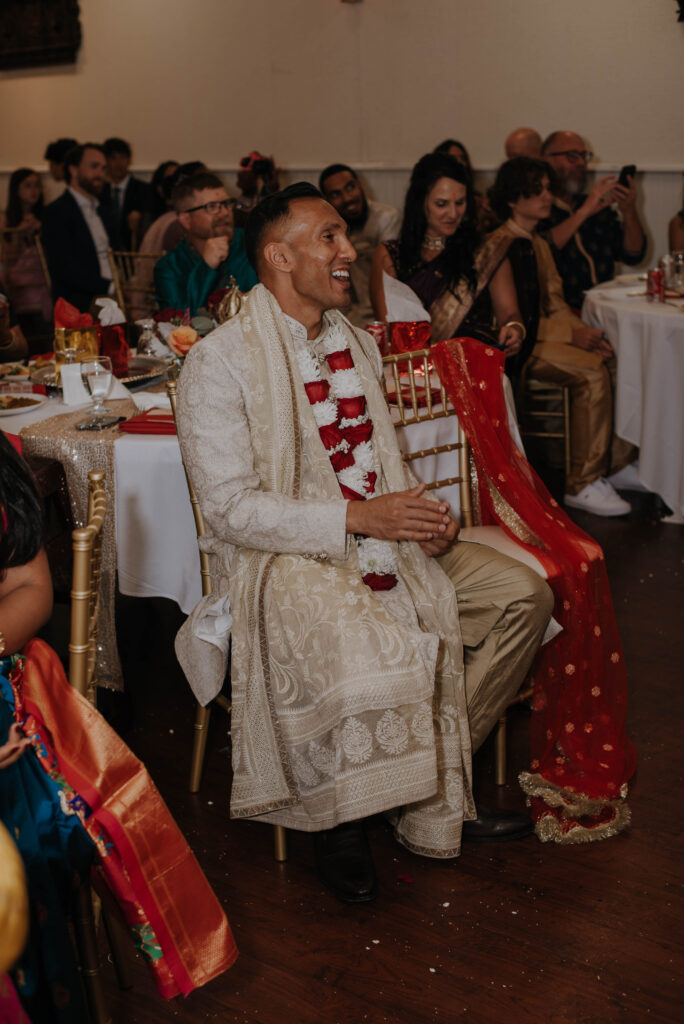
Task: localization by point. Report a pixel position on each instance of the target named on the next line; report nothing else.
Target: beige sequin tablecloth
(79, 452)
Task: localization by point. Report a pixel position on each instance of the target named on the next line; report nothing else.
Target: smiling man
(369, 224)
(212, 252)
(352, 605)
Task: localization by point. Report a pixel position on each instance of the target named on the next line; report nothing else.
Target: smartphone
(628, 171)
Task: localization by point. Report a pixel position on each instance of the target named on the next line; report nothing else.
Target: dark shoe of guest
(496, 826)
(344, 863)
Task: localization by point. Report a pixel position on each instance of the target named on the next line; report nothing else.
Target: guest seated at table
(127, 196)
(369, 224)
(485, 218)
(585, 233)
(158, 202)
(75, 799)
(22, 266)
(55, 154)
(439, 254)
(676, 232)
(212, 252)
(565, 349)
(347, 709)
(76, 231)
(523, 142)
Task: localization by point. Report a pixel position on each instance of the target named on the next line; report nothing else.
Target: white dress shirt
(88, 206)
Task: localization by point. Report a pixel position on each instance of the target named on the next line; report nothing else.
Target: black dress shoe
(495, 826)
(344, 863)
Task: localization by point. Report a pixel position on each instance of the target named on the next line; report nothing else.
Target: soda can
(379, 331)
(655, 286)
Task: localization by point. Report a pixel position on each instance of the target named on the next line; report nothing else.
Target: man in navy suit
(127, 197)
(75, 231)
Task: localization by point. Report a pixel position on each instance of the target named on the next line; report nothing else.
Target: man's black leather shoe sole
(344, 863)
(495, 826)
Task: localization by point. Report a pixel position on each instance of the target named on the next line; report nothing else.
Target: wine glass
(96, 374)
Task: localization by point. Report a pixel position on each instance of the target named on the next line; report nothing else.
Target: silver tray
(140, 368)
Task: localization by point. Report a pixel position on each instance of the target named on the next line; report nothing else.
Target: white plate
(36, 400)
(631, 279)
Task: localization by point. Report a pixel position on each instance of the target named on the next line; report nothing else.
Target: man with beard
(369, 224)
(75, 231)
(350, 695)
(586, 235)
(212, 252)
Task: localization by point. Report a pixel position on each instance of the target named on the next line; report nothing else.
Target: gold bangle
(3, 643)
(516, 323)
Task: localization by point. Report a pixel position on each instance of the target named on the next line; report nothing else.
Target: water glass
(96, 374)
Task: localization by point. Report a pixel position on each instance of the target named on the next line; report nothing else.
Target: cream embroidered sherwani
(346, 702)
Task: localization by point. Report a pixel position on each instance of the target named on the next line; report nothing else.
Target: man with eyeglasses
(586, 234)
(212, 252)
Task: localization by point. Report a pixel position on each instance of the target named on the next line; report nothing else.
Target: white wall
(374, 84)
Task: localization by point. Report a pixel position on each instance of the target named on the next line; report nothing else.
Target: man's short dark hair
(270, 210)
(520, 176)
(334, 169)
(186, 187)
(114, 145)
(55, 152)
(75, 155)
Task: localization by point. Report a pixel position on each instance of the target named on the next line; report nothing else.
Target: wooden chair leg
(501, 751)
(279, 843)
(89, 960)
(199, 746)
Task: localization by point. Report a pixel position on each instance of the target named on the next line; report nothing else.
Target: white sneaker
(600, 499)
(627, 479)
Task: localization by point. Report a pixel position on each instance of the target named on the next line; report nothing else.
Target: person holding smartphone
(586, 234)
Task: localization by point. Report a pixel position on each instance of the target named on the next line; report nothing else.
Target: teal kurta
(182, 279)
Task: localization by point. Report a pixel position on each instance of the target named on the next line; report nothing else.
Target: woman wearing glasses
(212, 251)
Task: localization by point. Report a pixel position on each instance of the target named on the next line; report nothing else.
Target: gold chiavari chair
(413, 397)
(87, 563)
(87, 549)
(133, 277)
(203, 714)
(541, 402)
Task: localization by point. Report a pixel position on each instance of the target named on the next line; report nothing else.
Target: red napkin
(113, 344)
(153, 421)
(68, 316)
(14, 440)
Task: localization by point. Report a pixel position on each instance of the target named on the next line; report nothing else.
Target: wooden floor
(520, 932)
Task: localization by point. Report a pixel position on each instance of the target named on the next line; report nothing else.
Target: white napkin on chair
(403, 305)
(145, 400)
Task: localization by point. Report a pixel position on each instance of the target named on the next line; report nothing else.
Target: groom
(371, 652)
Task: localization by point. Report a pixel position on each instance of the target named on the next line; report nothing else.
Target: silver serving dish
(140, 369)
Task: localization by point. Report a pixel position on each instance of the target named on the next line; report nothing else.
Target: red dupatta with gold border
(176, 920)
(581, 758)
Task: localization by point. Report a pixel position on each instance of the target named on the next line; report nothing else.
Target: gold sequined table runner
(79, 452)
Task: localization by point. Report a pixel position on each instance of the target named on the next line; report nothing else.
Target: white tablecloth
(156, 544)
(648, 338)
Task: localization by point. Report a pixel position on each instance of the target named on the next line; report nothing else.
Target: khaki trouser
(596, 451)
(504, 608)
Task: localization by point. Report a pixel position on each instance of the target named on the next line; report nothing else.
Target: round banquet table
(648, 338)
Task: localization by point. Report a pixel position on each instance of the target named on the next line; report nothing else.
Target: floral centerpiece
(180, 331)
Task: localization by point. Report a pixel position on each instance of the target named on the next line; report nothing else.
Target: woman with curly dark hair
(440, 256)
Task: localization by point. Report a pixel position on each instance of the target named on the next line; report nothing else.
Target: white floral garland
(375, 556)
